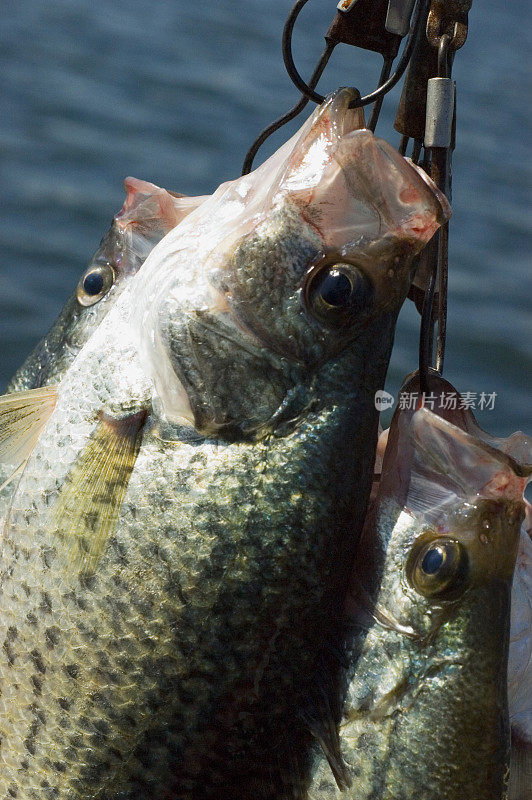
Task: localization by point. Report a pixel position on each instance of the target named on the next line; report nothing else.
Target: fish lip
(340, 120)
(445, 206)
(343, 116)
(336, 145)
(417, 177)
(345, 120)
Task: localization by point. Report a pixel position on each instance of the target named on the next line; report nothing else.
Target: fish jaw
(446, 402)
(379, 192)
(349, 183)
(149, 212)
(240, 269)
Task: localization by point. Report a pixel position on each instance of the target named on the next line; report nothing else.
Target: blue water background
(174, 92)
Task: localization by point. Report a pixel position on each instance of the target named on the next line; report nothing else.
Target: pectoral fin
(89, 502)
(23, 415)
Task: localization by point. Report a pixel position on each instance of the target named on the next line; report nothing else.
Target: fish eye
(335, 293)
(438, 568)
(94, 284)
(433, 560)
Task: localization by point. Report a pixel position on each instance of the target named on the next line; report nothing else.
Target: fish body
(180, 533)
(426, 708)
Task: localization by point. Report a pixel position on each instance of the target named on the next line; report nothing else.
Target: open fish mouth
(384, 193)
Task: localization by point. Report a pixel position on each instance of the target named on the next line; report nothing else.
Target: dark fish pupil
(336, 288)
(93, 283)
(432, 561)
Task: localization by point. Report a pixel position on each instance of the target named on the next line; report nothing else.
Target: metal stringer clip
(446, 31)
(377, 25)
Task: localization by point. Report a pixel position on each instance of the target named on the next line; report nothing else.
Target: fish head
(281, 272)
(148, 213)
(457, 533)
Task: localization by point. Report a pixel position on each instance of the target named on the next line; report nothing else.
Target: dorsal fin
(147, 206)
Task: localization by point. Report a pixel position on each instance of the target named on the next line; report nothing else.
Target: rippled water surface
(174, 92)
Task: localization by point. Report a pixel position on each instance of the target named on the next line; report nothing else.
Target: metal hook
(444, 52)
(388, 48)
(385, 73)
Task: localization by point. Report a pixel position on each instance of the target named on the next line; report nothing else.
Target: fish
(148, 213)
(181, 531)
(425, 710)
(520, 647)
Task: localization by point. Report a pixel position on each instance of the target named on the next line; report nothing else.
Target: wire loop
(372, 97)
